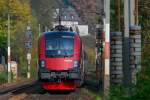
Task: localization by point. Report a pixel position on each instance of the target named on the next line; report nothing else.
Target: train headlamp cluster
(76, 63)
(42, 63)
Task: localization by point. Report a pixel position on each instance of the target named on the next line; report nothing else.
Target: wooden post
(118, 10)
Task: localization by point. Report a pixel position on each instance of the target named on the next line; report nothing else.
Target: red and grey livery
(61, 61)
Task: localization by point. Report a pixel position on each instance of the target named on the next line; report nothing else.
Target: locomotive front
(60, 61)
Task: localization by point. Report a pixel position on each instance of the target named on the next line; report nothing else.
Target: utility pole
(131, 12)
(106, 21)
(39, 30)
(136, 12)
(29, 63)
(135, 39)
(9, 51)
(46, 28)
(28, 47)
(59, 18)
(126, 44)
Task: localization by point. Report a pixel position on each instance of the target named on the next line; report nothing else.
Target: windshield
(59, 47)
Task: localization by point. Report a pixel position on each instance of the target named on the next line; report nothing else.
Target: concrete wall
(83, 30)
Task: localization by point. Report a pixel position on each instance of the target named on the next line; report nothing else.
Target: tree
(43, 10)
(20, 14)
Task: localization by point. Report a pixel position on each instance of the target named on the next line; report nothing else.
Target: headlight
(76, 63)
(42, 63)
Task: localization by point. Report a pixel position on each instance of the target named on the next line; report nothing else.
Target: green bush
(117, 93)
(3, 77)
(141, 91)
(90, 55)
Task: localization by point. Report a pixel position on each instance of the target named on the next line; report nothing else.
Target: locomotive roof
(59, 33)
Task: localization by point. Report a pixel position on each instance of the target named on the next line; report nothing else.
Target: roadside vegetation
(20, 14)
(3, 77)
(141, 90)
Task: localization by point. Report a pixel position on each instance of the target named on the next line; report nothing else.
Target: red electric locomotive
(61, 60)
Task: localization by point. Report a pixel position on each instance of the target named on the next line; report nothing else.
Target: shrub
(3, 77)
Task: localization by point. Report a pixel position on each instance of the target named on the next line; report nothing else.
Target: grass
(90, 94)
(3, 77)
(22, 74)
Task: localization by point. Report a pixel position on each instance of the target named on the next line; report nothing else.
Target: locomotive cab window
(59, 47)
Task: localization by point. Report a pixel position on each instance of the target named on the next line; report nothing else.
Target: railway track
(16, 86)
(6, 93)
(33, 91)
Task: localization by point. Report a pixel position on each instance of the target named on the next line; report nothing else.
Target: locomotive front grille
(54, 75)
(59, 75)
